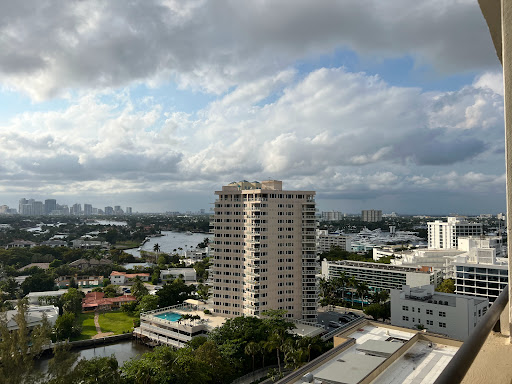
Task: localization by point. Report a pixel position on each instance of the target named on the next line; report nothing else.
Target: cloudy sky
(393, 105)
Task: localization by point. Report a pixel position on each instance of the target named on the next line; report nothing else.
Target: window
(442, 325)
(430, 312)
(405, 318)
(430, 322)
(405, 308)
(442, 314)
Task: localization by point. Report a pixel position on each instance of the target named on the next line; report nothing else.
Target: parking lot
(324, 318)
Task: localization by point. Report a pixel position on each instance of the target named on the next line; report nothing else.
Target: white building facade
(445, 234)
(449, 314)
(325, 241)
(380, 276)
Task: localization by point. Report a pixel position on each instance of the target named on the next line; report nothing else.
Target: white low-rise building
(36, 298)
(380, 276)
(187, 274)
(325, 241)
(123, 278)
(445, 313)
(33, 316)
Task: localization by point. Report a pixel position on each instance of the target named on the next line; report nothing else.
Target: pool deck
(209, 320)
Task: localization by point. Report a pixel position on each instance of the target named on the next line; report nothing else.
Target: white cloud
(346, 135)
(50, 47)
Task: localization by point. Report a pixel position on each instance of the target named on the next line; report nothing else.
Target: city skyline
(372, 105)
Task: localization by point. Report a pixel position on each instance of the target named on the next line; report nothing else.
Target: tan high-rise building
(264, 250)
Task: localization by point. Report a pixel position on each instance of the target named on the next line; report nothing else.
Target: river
(171, 241)
(123, 351)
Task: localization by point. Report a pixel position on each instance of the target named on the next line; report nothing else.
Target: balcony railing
(462, 360)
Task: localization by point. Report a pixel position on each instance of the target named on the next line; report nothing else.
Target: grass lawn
(88, 328)
(127, 244)
(117, 322)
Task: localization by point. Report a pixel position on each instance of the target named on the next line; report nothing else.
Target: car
(334, 324)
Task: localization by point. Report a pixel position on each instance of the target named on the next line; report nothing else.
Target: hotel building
(444, 234)
(264, 250)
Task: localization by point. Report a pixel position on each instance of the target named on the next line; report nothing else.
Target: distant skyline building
(87, 209)
(371, 215)
(109, 210)
(128, 210)
(50, 205)
(332, 216)
(264, 250)
(76, 209)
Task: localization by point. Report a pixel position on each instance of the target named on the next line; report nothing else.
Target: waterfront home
(122, 278)
(97, 301)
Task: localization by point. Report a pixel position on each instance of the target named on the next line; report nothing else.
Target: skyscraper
(87, 209)
(50, 205)
(264, 250)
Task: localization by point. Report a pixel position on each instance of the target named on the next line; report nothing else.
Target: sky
(155, 104)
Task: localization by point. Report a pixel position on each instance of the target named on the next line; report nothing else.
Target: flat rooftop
(421, 362)
(387, 267)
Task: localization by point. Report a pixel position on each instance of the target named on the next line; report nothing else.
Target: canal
(123, 351)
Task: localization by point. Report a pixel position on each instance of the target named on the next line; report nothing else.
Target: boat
(189, 233)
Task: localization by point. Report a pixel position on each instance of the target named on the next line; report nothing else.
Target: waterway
(171, 241)
(123, 351)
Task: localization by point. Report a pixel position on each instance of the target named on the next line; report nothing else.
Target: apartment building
(380, 276)
(332, 216)
(480, 274)
(445, 313)
(264, 250)
(371, 215)
(445, 234)
(326, 240)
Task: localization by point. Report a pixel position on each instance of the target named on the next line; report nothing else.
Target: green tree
(252, 348)
(111, 290)
(276, 342)
(19, 347)
(447, 286)
(362, 291)
(38, 282)
(71, 301)
(60, 367)
(174, 293)
(98, 370)
(148, 303)
(111, 236)
(139, 289)
(203, 291)
(156, 248)
(64, 325)
(10, 289)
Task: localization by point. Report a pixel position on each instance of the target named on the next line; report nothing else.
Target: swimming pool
(170, 316)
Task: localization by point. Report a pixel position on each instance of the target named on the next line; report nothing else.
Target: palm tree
(252, 349)
(362, 290)
(352, 283)
(264, 346)
(276, 340)
(156, 248)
